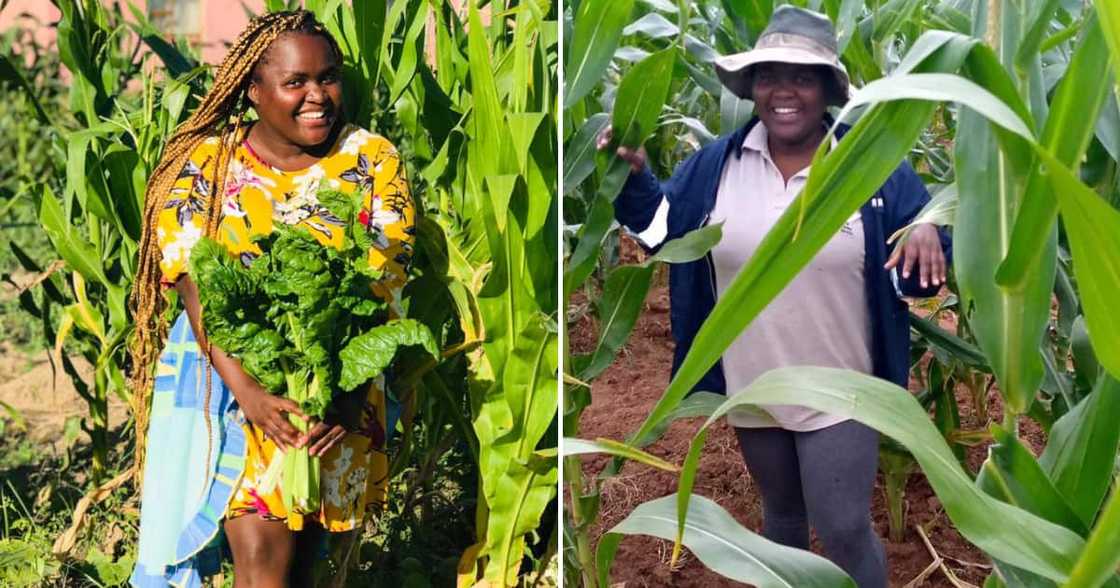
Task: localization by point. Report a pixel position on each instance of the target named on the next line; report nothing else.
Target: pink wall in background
(222, 20)
(41, 10)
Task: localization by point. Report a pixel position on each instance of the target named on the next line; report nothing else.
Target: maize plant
(476, 119)
(1010, 110)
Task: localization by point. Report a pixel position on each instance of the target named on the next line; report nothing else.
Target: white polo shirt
(819, 319)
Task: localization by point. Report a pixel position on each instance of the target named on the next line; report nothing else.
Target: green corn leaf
(1013, 475)
(574, 446)
(598, 28)
(173, 59)
(79, 178)
(121, 165)
(595, 227)
(734, 112)
(1108, 126)
(579, 152)
(529, 384)
(1069, 128)
(410, 49)
(523, 128)
(690, 247)
(369, 22)
(1008, 325)
(725, 546)
(1093, 229)
(623, 298)
(500, 189)
(641, 96)
(684, 489)
(514, 512)
(695, 127)
(662, 5)
(1082, 449)
(77, 252)
(1084, 358)
(957, 347)
(1003, 531)
(489, 129)
(652, 25)
(10, 75)
(1101, 556)
(625, 291)
(1109, 14)
(935, 86)
(941, 210)
(1037, 24)
(846, 20)
(892, 16)
(696, 405)
(755, 14)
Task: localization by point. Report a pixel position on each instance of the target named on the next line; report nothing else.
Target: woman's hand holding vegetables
(267, 411)
(635, 157)
(323, 435)
(270, 413)
(343, 416)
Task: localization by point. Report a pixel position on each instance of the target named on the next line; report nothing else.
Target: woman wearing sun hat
(843, 310)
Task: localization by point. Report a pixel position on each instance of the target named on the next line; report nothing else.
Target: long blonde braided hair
(225, 102)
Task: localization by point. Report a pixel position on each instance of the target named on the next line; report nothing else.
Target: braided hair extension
(225, 101)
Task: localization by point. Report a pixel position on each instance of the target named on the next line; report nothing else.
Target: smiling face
(790, 99)
(297, 90)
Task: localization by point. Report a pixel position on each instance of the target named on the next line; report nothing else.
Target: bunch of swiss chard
(303, 321)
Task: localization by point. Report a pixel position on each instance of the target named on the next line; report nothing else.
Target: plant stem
(991, 32)
(1010, 421)
(580, 521)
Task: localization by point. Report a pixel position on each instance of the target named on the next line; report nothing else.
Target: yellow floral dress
(354, 473)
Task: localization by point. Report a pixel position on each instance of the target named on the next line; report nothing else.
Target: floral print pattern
(354, 473)
(256, 196)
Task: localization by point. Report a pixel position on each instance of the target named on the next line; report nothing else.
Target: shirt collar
(756, 139)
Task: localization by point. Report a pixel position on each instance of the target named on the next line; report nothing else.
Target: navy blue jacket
(691, 193)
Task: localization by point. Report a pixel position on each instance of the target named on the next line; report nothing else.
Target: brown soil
(41, 398)
(624, 395)
(44, 400)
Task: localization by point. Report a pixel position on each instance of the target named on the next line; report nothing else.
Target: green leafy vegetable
(303, 321)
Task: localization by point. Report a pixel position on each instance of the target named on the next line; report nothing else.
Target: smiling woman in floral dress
(214, 430)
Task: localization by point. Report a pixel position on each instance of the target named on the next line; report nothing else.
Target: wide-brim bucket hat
(794, 35)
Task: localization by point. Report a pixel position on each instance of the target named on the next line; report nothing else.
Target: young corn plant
(1035, 225)
(92, 216)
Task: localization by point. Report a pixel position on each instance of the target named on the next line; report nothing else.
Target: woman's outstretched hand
(635, 157)
(923, 247)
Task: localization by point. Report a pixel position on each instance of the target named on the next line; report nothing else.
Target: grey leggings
(824, 477)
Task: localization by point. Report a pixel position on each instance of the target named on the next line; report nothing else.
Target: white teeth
(312, 115)
(786, 110)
